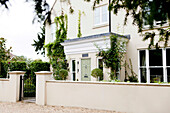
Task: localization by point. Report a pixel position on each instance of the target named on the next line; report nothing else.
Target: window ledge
(100, 25)
(147, 28)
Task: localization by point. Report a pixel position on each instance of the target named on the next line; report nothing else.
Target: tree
(145, 11)
(4, 52)
(41, 8)
(39, 45)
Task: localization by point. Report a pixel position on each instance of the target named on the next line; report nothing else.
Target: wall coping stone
(110, 83)
(4, 79)
(43, 73)
(16, 72)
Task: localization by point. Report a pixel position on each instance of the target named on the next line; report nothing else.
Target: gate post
(41, 78)
(15, 84)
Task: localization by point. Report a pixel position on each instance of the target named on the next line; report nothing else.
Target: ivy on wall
(55, 51)
(79, 25)
(114, 55)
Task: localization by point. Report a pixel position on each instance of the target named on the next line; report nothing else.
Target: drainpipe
(109, 19)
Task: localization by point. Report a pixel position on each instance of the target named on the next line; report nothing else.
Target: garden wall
(9, 88)
(123, 97)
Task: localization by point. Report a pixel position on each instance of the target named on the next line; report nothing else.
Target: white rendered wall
(120, 97)
(9, 88)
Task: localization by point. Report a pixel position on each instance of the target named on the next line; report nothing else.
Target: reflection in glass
(156, 75)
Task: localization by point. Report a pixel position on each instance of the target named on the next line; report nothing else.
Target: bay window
(154, 65)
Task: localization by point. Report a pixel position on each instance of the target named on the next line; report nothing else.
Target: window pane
(97, 15)
(168, 57)
(73, 65)
(155, 57)
(73, 70)
(53, 31)
(156, 75)
(142, 58)
(143, 75)
(104, 13)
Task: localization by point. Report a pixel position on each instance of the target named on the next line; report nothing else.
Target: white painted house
(81, 52)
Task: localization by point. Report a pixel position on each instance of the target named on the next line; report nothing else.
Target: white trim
(86, 46)
(147, 66)
(139, 73)
(164, 65)
(98, 61)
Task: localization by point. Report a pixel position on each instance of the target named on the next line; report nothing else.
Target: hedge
(13, 66)
(23, 66)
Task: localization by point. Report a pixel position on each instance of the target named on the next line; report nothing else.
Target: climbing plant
(55, 51)
(79, 25)
(113, 56)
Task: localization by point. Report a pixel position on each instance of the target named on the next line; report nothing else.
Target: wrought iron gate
(27, 87)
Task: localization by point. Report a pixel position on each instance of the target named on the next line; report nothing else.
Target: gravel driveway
(21, 107)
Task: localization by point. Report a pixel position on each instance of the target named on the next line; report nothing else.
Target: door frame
(72, 69)
(81, 67)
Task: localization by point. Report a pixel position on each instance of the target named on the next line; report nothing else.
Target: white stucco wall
(9, 88)
(120, 97)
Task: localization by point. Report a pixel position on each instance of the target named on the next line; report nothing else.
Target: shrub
(17, 66)
(97, 73)
(13, 66)
(4, 68)
(39, 66)
(132, 79)
(63, 73)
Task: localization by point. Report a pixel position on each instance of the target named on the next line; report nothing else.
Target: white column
(15, 84)
(164, 65)
(147, 66)
(41, 78)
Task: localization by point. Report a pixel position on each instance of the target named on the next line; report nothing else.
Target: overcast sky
(16, 26)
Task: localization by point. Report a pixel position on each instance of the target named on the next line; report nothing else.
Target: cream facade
(95, 29)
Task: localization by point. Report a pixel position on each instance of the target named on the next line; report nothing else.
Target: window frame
(164, 65)
(53, 31)
(100, 15)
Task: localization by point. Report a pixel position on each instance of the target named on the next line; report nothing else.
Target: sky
(17, 28)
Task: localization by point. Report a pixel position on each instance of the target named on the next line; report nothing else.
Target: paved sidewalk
(21, 107)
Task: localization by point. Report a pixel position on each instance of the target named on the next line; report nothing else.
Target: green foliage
(29, 88)
(39, 45)
(39, 66)
(133, 79)
(4, 53)
(17, 66)
(113, 56)
(4, 69)
(55, 51)
(97, 73)
(79, 25)
(12, 66)
(63, 73)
